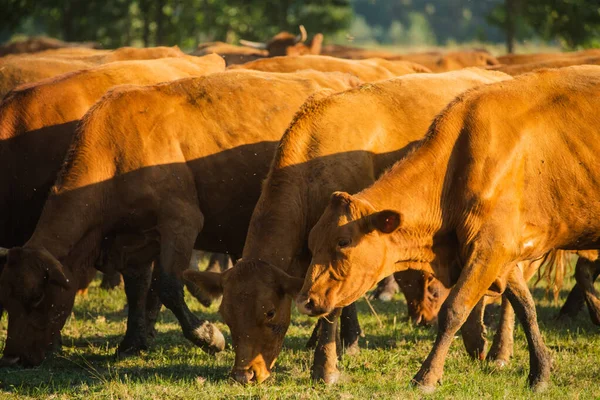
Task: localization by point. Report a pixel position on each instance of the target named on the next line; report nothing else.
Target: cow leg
(177, 240)
(350, 329)
(386, 289)
(153, 306)
(476, 277)
(539, 359)
(137, 283)
(473, 332)
(314, 336)
(585, 274)
(502, 346)
(574, 303)
(324, 367)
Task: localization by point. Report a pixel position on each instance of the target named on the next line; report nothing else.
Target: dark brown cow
(506, 173)
(345, 140)
(282, 44)
(162, 168)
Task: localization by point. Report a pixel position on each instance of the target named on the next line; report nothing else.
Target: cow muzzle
(308, 305)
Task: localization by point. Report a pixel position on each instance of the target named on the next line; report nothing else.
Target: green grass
(390, 356)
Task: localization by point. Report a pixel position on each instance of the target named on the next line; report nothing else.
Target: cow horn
(3, 252)
(254, 45)
(301, 38)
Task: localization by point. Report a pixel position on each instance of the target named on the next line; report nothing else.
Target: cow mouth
(249, 375)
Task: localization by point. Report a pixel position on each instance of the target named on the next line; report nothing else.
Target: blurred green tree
(573, 23)
(167, 22)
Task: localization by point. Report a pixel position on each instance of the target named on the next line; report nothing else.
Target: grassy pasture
(391, 354)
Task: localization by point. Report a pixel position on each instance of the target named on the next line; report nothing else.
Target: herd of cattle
(457, 175)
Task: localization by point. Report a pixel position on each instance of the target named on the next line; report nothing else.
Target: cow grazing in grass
(161, 168)
(341, 141)
(369, 70)
(506, 173)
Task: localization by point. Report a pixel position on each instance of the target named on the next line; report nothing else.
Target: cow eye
(270, 314)
(343, 243)
(37, 301)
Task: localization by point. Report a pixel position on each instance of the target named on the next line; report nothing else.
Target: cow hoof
(329, 378)
(501, 363)
(130, 350)
(426, 389)
(353, 349)
(208, 337)
(539, 387)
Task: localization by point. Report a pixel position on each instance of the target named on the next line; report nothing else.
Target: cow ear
(56, 275)
(202, 283)
(288, 284)
(386, 221)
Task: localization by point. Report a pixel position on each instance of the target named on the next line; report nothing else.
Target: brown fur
(502, 186)
(177, 163)
(345, 140)
(366, 70)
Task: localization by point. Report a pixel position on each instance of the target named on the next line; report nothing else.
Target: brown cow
(512, 59)
(161, 167)
(344, 140)
(450, 61)
(369, 70)
(37, 123)
(499, 185)
(282, 44)
(37, 44)
(18, 70)
(518, 69)
(436, 61)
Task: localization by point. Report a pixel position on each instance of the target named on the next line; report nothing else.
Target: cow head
(37, 293)
(256, 307)
(351, 252)
(287, 44)
(424, 295)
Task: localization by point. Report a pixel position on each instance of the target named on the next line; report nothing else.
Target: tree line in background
(114, 23)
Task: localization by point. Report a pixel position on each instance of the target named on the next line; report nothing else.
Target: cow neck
(277, 228)
(79, 201)
(415, 188)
